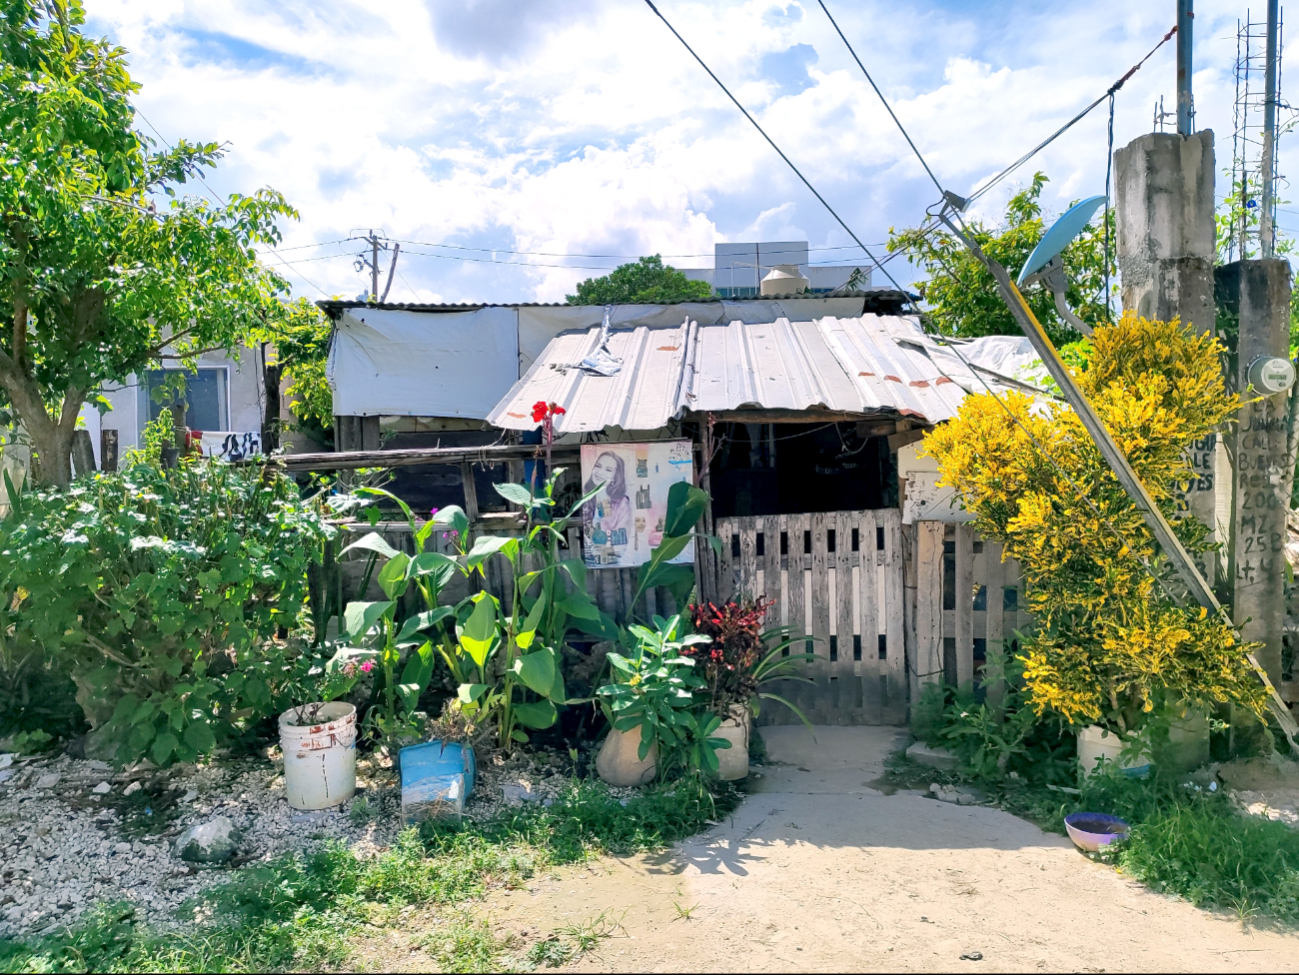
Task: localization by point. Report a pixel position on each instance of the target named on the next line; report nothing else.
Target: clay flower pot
(618, 761)
(733, 762)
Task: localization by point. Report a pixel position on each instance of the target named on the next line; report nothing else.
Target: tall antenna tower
(1245, 196)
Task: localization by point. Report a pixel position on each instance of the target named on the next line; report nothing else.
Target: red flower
(557, 410)
(538, 411)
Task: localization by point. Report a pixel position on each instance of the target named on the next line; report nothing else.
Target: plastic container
(1090, 831)
(1094, 742)
(436, 779)
(320, 758)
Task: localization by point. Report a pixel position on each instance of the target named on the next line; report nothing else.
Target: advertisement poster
(625, 520)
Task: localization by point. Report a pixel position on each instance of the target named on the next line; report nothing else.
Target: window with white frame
(206, 396)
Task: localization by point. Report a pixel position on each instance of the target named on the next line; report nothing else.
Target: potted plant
(736, 662)
(319, 739)
(652, 708)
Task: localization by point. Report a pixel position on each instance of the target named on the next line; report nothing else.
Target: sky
(516, 147)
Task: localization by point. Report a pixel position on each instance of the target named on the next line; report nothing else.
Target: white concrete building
(738, 269)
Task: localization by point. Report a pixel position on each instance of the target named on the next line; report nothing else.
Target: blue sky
(581, 127)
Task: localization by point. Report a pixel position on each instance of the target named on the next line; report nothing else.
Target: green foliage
(648, 281)
(102, 264)
(655, 689)
(305, 912)
(161, 593)
(301, 334)
(961, 295)
(1109, 645)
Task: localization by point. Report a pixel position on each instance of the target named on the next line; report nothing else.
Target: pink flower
(367, 666)
(433, 513)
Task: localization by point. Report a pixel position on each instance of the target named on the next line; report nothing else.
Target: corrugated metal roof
(875, 296)
(869, 365)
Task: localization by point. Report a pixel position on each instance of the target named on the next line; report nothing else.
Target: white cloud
(576, 127)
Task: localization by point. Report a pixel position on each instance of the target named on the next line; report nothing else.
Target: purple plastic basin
(1090, 831)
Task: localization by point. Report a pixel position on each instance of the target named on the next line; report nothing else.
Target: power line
(773, 145)
(220, 202)
(1068, 125)
(888, 108)
(607, 257)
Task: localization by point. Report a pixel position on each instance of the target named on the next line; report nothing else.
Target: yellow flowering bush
(1109, 643)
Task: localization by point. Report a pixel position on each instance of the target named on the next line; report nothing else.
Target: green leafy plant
(645, 280)
(742, 658)
(654, 689)
(163, 594)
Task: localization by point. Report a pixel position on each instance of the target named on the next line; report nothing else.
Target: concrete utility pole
(1266, 232)
(1185, 32)
(1164, 210)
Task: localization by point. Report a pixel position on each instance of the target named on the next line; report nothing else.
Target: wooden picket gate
(965, 608)
(836, 577)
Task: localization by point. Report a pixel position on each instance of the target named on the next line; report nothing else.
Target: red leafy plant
(742, 656)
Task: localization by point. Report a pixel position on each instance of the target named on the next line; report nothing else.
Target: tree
(648, 281)
(962, 296)
(104, 270)
(1109, 644)
(301, 334)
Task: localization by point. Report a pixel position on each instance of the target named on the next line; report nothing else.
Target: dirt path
(820, 872)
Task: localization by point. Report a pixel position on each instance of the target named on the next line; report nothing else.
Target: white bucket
(320, 758)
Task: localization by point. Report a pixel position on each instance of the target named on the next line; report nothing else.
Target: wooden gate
(966, 608)
(836, 577)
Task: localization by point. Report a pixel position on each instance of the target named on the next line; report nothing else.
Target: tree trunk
(51, 439)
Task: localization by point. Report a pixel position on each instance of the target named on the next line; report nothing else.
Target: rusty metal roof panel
(868, 365)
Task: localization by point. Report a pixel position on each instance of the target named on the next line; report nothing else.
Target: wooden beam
(344, 460)
(788, 416)
(471, 490)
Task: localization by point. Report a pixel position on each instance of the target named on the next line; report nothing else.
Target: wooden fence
(837, 578)
(964, 605)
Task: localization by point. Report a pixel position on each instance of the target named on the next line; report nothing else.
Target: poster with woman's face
(625, 520)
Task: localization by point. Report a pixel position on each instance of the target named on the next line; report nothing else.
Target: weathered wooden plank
(820, 621)
(929, 607)
(726, 531)
(964, 605)
(771, 574)
(895, 664)
(868, 604)
(994, 625)
(796, 583)
(748, 532)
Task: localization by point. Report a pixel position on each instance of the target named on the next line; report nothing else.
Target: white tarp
(390, 362)
(405, 363)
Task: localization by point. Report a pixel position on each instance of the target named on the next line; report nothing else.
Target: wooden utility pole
(374, 266)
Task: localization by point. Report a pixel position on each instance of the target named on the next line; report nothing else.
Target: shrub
(161, 593)
(1110, 644)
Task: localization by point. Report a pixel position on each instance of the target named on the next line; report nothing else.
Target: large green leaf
(479, 631)
(542, 714)
(392, 577)
(359, 618)
(516, 493)
(438, 567)
(579, 606)
(529, 631)
(537, 670)
(686, 505)
(485, 546)
(422, 621)
(415, 675)
(576, 570)
(470, 693)
(372, 542)
(453, 518)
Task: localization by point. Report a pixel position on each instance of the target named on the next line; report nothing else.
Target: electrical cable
(1109, 165)
(605, 257)
(220, 202)
(888, 108)
(771, 142)
(1068, 125)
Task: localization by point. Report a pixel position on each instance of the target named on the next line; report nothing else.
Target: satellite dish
(1057, 238)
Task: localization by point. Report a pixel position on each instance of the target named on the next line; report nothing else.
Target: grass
(302, 911)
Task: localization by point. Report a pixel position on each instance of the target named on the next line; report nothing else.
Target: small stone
(64, 905)
(102, 788)
(517, 792)
(132, 789)
(122, 848)
(972, 956)
(48, 781)
(211, 842)
(6, 760)
(189, 796)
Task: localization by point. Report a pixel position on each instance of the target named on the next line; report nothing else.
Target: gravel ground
(74, 833)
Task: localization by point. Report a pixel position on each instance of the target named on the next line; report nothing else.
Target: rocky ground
(74, 833)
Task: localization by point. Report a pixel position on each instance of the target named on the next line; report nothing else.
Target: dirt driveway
(820, 872)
